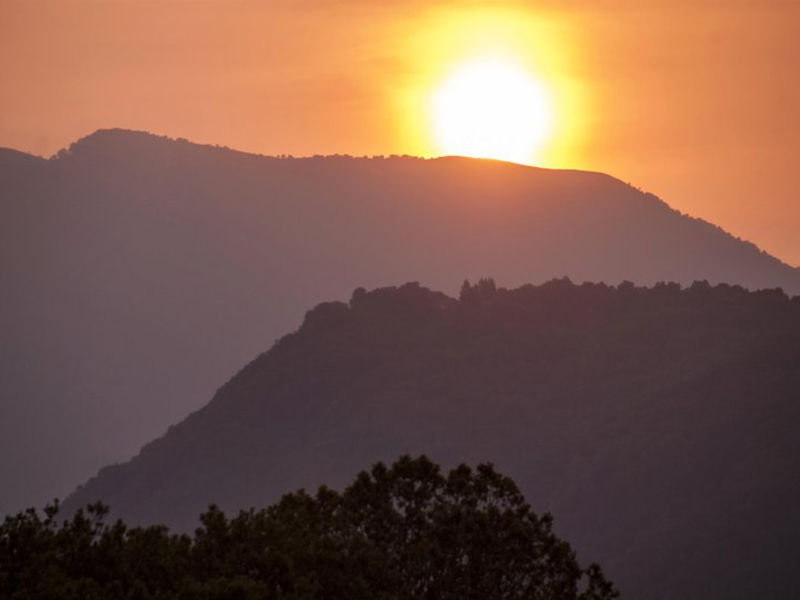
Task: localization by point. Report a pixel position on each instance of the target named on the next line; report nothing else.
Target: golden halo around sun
(502, 83)
(491, 108)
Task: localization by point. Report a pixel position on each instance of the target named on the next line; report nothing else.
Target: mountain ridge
(104, 142)
(657, 424)
(140, 271)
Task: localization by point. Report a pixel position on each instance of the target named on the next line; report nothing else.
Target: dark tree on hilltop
(484, 289)
(404, 532)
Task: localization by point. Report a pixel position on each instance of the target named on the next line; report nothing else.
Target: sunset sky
(696, 101)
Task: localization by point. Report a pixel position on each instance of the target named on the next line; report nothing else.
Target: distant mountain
(658, 425)
(139, 271)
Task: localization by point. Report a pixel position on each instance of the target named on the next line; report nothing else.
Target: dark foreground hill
(138, 272)
(658, 425)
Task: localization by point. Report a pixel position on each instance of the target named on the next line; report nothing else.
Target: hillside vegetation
(659, 425)
(404, 532)
(139, 272)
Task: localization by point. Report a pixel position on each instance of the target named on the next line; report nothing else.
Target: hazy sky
(697, 101)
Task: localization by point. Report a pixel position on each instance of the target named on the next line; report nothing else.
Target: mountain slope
(658, 425)
(139, 271)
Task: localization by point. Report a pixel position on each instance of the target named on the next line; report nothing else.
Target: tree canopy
(403, 532)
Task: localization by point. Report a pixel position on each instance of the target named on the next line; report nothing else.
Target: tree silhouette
(403, 532)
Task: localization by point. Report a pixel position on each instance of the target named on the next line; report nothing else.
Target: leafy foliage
(403, 532)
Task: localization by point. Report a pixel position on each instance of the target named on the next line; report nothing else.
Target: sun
(492, 108)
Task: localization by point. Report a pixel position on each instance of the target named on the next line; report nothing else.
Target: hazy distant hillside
(659, 425)
(138, 272)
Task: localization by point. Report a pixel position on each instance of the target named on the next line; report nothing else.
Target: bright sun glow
(492, 108)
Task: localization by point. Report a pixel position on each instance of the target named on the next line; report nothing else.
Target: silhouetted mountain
(658, 425)
(14, 164)
(139, 271)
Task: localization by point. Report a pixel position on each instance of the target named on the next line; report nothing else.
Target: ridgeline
(658, 424)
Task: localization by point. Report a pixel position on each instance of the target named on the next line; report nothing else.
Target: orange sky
(694, 100)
